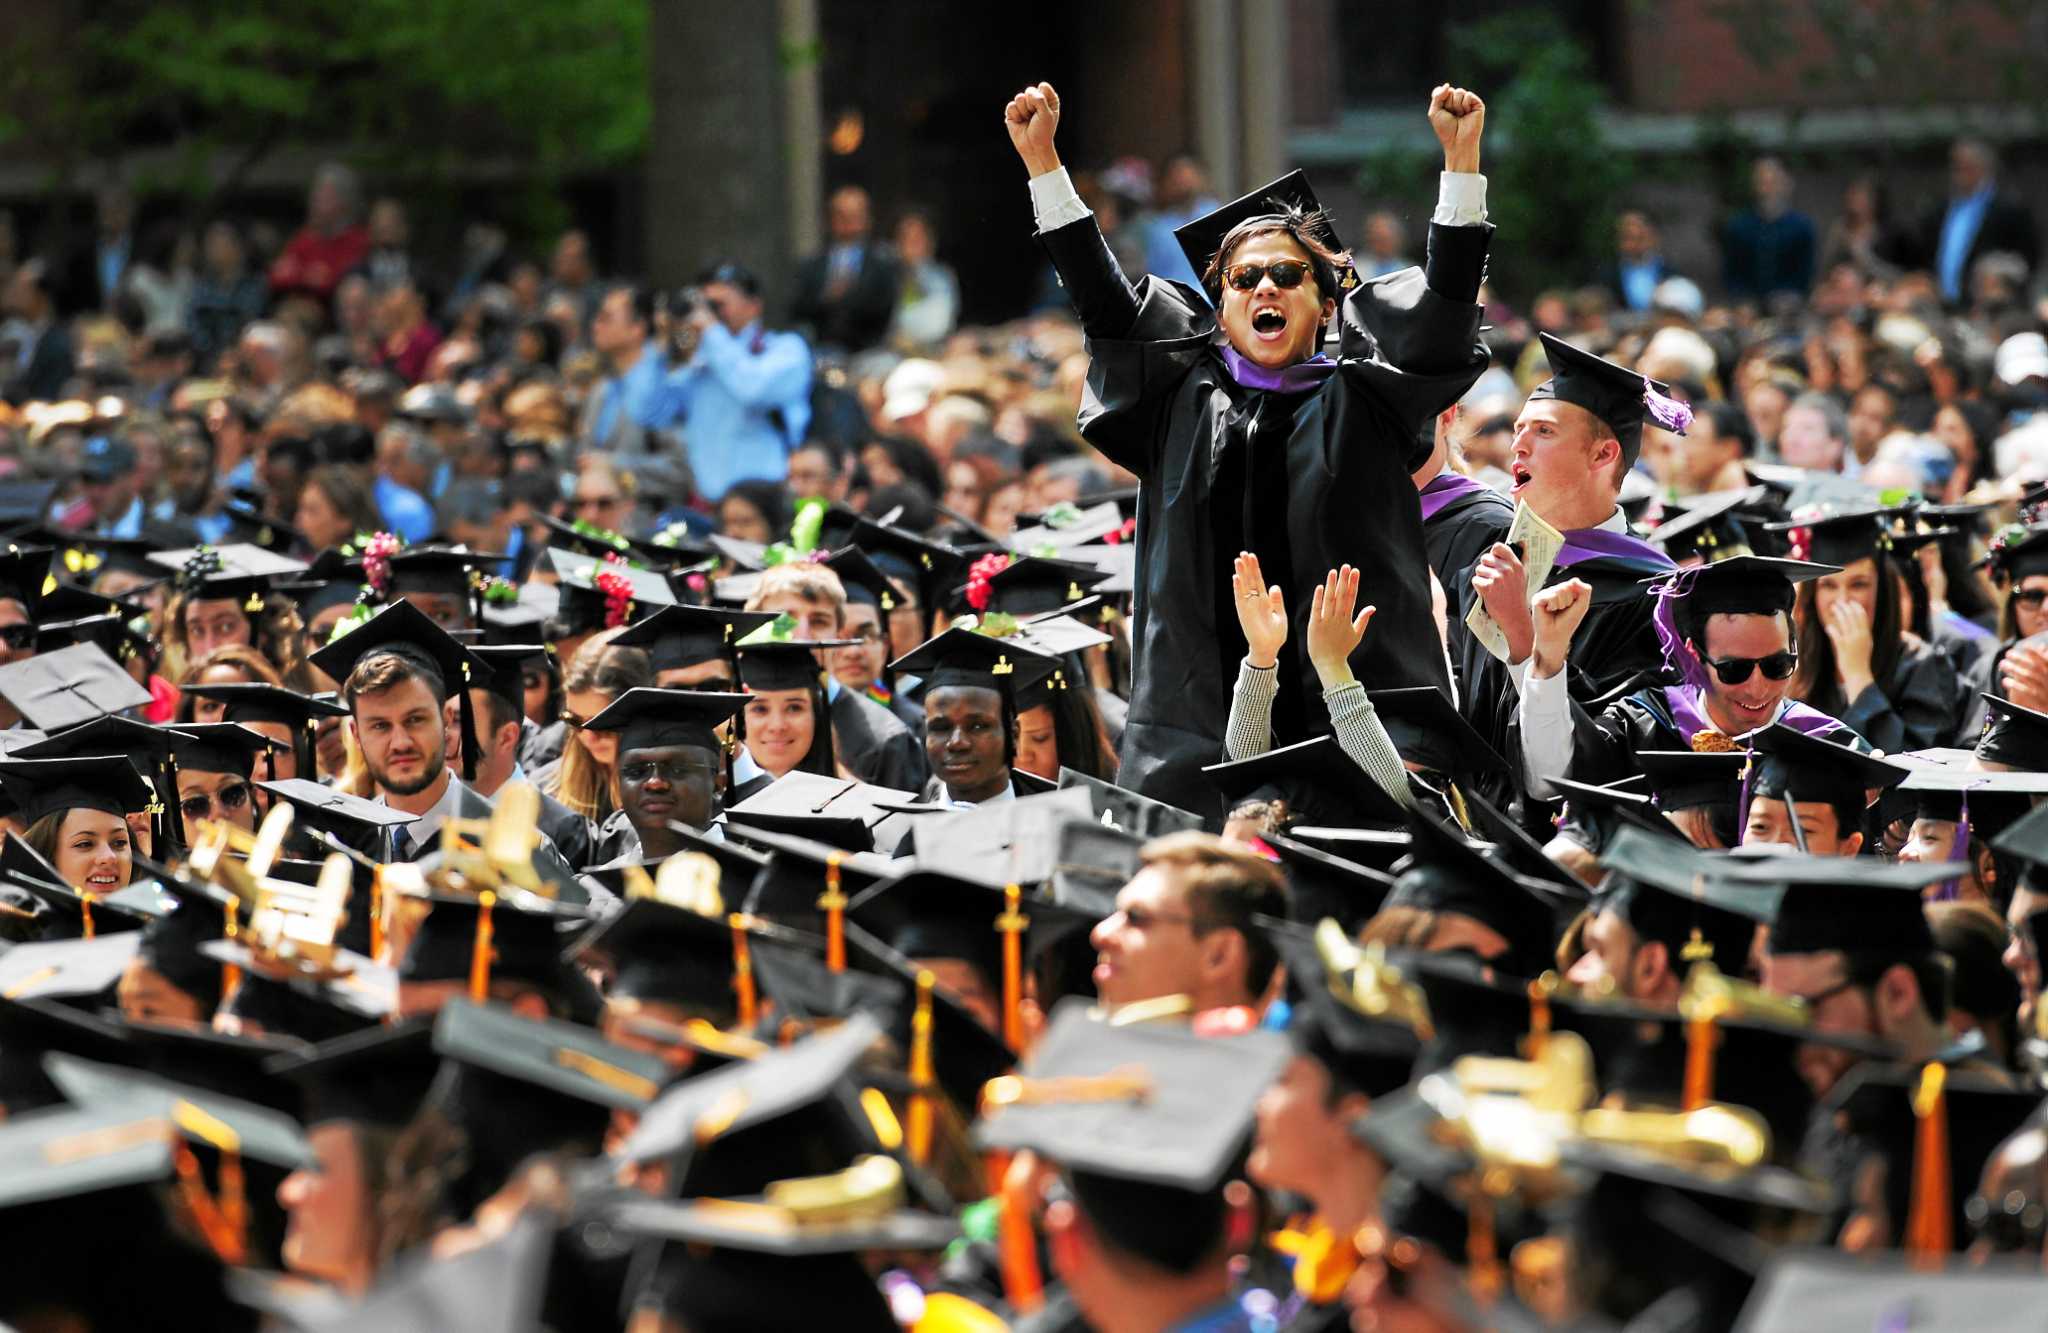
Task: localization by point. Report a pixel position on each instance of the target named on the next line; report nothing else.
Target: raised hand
(1503, 586)
(1459, 118)
(2024, 674)
(1333, 632)
(1848, 629)
(1032, 117)
(1261, 611)
(1558, 612)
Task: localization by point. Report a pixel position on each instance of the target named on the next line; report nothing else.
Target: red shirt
(315, 264)
(406, 355)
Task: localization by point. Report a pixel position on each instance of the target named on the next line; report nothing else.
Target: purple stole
(1445, 487)
(1297, 378)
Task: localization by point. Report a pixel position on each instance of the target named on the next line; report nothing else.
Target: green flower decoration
(1065, 514)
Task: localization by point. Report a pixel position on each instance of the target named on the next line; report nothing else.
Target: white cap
(1681, 296)
(910, 388)
(2021, 357)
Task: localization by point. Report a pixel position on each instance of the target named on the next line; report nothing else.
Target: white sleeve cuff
(1460, 199)
(1546, 719)
(1054, 202)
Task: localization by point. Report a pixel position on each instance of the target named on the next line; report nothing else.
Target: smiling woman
(76, 812)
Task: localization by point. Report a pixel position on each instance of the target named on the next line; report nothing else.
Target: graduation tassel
(1012, 923)
(1539, 1017)
(1482, 1255)
(480, 952)
(743, 973)
(230, 975)
(1930, 1234)
(377, 914)
(918, 1134)
(1017, 1245)
(833, 904)
(1702, 1039)
(85, 910)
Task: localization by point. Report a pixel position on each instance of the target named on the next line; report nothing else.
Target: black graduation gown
(875, 745)
(1614, 648)
(567, 830)
(1462, 531)
(1913, 708)
(1331, 484)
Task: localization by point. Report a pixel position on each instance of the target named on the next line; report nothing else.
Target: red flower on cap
(617, 590)
(1122, 534)
(978, 576)
(377, 553)
(1800, 540)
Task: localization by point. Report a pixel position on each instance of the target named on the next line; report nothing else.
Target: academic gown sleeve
(1915, 710)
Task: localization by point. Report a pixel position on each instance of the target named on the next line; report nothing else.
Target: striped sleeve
(1251, 711)
(1365, 739)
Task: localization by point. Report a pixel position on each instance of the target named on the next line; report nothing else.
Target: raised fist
(1032, 117)
(1458, 117)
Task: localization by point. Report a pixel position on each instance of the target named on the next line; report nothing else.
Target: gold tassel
(919, 1134)
(1012, 923)
(1930, 1234)
(480, 952)
(743, 973)
(1702, 1040)
(834, 904)
(230, 975)
(85, 910)
(377, 914)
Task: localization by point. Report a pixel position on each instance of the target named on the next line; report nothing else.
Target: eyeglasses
(18, 637)
(2031, 598)
(1141, 918)
(1735, 670)
(1286, 274)
(230, 799)
(672, 771)
(867, 634)
(573, 722)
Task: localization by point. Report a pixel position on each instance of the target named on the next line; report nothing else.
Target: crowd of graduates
(1345, 852)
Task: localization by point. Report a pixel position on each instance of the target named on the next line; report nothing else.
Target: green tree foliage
(543, 85)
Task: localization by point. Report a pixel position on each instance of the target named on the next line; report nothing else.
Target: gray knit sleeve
(1251, 711)
(1365, 739)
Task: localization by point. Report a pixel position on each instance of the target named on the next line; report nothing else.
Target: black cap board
(1202, 238)
(683, 636)
(1319, 782)
(647, 718)
(1618, 396)
(1427, 728)
(107, 783)
(1837, 538)
(69, 686)
(2014, 735)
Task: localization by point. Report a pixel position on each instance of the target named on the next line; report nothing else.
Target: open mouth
(1521, 474)
(102, 881)
(1269, 321)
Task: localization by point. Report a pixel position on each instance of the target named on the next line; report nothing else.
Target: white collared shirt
(423, 830)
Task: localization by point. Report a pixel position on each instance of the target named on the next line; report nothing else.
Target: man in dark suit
(848, 293)
(44, 360)
(1976, 219)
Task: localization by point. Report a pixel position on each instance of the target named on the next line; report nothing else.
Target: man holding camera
(742, 394)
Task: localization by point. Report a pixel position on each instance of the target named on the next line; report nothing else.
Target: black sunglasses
(2031, 597)
(1735, 670)
(1286, 274)
(231, 799)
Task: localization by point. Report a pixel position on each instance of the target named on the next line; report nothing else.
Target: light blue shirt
(640, 396)
(406, 512)
(1958, 233)
(1163, 255)
(745, 401)
(1639, 283)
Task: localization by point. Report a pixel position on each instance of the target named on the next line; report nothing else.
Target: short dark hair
(1306, 229)
(1226, 886)
(731, 274)
(1930, 971)
(390, 666)
(639, 296)
(1731, 422)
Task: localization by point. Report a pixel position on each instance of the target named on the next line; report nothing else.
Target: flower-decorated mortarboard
(1618, 396)
(1836, 538)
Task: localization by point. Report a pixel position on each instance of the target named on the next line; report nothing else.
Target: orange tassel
(1702, 1040)
(377, 914)
(1011, 923)
(1930, 1233)
(834, 905)
(230, 975)
(85, 911)
(480, 952)
(917, 1133)
(743, 973)
(1017, 1249)
(1539, 1018)
(219, 1226)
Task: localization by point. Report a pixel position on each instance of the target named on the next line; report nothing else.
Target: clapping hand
(2024, 674)
(1557, 612)
(1261, 611)
(1333, 632)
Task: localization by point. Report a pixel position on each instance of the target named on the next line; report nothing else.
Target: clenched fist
(1458, 117)
(1032, 117)
(1558, 612)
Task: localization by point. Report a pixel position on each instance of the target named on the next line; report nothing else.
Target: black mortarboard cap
(1033, 585)
(965, 1054)
(1322, 885)
(1834, 903)
(260, 1133)
(23, 572)
(346, 817)
(1742, 584)
(107, 783)
(1202, 238)
(1713, 527)
(526, 941)
(964, 657)
(1688, 779)
(1615, 394)
(1446, 873)
(506, 676)
(446, 570)
(1375, 1056)
(1791, 764)
(1666, 892)
(930, 914)
(375, 1077)
(2016, 553)
(854, 816)
(563, 1058)
(221, 747)
(1009, 842)
(1603, 811)
(2014, 735)
(260, 701)
(782, 664)
(683, 636)
(1319, 782)
(647, 718)
(69, 686)
(1837, 538)
(66, 969)
(1182, 1123)
(1427, 728)
(864, 580)
(1121, 808)
(669, 954)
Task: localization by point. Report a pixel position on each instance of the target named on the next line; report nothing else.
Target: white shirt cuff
(1546, 732)
(1054, 202)
(1460, 199)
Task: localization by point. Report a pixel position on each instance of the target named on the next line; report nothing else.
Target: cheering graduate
(1575, 440)
(1246, 436)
